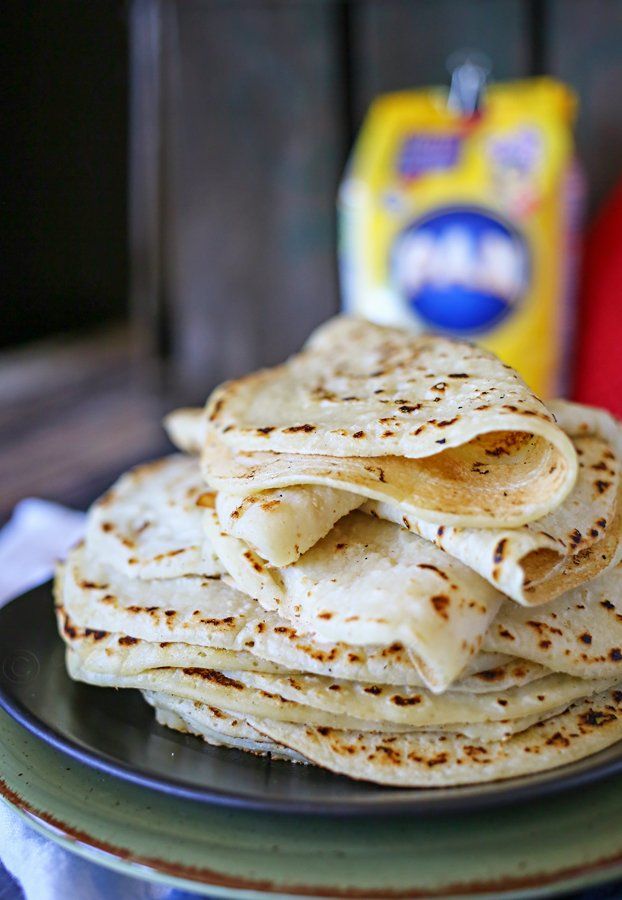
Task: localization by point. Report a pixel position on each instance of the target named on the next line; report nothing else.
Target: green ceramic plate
(536, 850)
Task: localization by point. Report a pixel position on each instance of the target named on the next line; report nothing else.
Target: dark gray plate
(116, 731)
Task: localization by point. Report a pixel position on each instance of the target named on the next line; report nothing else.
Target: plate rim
(406, 801)
(187, 877)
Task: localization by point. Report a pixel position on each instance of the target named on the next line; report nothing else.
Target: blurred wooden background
(257, 104)
(219, 129)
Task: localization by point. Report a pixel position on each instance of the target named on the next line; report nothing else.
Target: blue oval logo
(461, 270)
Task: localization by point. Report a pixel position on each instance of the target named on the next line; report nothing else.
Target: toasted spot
(437, 760)
(504, 633)
(447, 422)
(499, 551)
(432, 568)
(440, 602)
(295, 428)
(602, 486)
(253, 561)
(269, 504)
(597, 719)
(490, 675)
(405, 701)
(206, 500)
(215, 677)
(558, 740)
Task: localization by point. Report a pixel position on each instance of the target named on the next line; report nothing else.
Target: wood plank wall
(258, 102)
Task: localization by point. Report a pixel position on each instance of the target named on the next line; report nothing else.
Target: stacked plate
(386, 557)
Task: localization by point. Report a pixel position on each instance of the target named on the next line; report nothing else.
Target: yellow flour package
(467, 224)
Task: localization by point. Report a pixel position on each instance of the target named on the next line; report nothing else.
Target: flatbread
(418, 707)
(209, 613)
(279, 525)
(148, 525)
(117, 656)
(440, 761)
(231, 691)
(579, 632)
(536, 563)
(223, 690)
(185, 428)
(371, 582)
(214, 724)
(283, 524)
(116, 653)
(567, 547)
(381, 412)
(421, 487)
(208, 686)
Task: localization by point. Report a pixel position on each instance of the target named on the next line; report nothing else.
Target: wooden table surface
(73, 415)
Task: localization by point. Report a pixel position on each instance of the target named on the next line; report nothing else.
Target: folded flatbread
(571, 545)
(531, 564)
(370, 582)
(192, 614)
(283, 524)
(385, 414)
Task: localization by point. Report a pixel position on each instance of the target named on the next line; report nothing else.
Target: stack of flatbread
(386, 557)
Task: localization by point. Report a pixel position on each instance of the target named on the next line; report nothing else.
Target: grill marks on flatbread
(222, 727)
(368, 582)
(579, 632)
(207, 613)
(148, 524)
(123, 654)
(419, 707)
(113, 655)
(570, 545)
(453, 486)
(403, 425)
(441, 760)
(305, 699)
(532, 564)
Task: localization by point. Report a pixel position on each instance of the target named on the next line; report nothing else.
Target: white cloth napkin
(38, 534)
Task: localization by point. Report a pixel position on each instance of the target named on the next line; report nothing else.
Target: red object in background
(599, 365)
